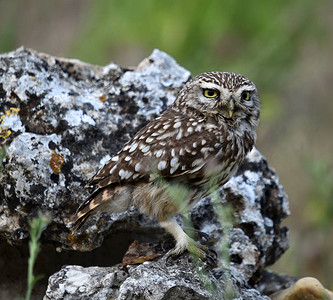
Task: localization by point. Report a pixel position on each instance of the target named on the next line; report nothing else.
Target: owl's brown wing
(171, 145)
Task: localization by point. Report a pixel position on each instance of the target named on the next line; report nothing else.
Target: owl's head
(230, 97)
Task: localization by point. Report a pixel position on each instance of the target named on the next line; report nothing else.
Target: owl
(203, 137)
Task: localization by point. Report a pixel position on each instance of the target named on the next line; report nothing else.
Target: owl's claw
(185, 243)
(201, 251)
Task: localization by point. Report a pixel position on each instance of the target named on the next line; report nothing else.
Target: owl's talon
(201, 251)
(204, 253)
(203, 235)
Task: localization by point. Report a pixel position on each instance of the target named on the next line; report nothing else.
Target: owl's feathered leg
(185, 243)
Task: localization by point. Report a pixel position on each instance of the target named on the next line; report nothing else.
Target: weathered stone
(154, 280)
(63, 119)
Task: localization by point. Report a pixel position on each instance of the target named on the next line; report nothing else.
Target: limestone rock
(154, 280)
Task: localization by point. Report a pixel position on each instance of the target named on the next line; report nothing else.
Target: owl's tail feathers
(109, 199)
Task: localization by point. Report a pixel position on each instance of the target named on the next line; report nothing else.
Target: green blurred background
(284, 46)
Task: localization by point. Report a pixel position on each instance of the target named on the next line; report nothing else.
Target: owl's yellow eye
(210, 93)
(246, 95)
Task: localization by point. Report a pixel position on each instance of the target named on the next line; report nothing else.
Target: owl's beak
(231, 107)
(227, 105)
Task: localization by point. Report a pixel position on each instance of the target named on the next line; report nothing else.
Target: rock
(154, 280)
(76, 282)
(271, 282)
(63, 119)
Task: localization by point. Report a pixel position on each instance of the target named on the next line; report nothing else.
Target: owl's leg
(184, 242)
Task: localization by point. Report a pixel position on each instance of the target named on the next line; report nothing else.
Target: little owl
(204, 136)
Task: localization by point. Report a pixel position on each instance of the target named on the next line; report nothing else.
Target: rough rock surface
(63, 119)
(153, 280)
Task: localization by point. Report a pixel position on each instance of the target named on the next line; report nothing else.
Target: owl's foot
(185, 243)
(201, 251)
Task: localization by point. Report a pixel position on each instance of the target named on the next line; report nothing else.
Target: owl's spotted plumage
(206, 133)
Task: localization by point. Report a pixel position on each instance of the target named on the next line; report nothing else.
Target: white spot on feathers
(115, 158)
(174, 162)
(145, 149)
(137, 167)
(113, 168)
(173, 170)
(177, 125)
(159, 153)
(179, 135)
(197, 162)
(133, 147)
(125, 174)
(149, 140)
(162, 165)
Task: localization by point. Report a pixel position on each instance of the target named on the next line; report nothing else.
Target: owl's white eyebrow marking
(247, 87)
(209, 85)
(161, 165)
